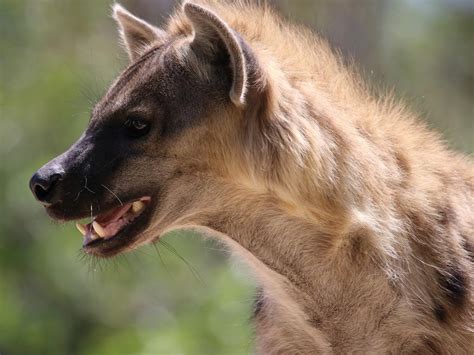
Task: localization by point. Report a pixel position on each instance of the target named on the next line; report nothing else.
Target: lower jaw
(121, 242)
(109, 247)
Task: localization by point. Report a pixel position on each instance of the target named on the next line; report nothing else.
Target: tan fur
(356, 219)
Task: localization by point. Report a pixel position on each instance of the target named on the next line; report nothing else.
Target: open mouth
(108, 226)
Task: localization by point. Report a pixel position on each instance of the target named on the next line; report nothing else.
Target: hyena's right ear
(136, 35)
(213, 35)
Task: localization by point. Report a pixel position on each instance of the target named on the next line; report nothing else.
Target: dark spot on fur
(446, 216)
(357, 245)
(258, 303)
(440, 312)
(454, 285)
(315, 321)
(431, 346)
(425, 232)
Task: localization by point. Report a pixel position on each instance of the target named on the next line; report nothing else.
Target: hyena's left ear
(211, 35)
(136, 34)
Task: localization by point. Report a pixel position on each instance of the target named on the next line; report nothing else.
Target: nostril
(40, 192)
(43, 186)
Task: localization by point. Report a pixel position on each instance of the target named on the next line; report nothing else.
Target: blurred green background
(57, 57)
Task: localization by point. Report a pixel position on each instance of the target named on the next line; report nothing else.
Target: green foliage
(56, 59)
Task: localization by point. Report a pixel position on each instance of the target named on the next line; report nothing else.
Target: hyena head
(157, 134)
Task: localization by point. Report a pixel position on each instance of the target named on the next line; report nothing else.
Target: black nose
(42, 185)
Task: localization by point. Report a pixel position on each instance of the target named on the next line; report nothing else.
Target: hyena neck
(318, 157)
(304, 272)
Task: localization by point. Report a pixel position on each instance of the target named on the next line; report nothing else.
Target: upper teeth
(138, 206)
(98, 229)
(81, 228)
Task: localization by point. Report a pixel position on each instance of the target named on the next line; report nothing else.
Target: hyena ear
(212, 34)
(136, 35)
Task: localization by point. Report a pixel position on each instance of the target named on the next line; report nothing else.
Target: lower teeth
(94, 236)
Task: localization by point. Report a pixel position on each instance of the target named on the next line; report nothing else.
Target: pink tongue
(111, 222)
(113, 215)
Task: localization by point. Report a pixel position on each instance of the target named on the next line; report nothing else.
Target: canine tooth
(98, 229)
(81, 228)
(138, 206)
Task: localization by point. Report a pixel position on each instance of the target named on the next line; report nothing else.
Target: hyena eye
(136, 127)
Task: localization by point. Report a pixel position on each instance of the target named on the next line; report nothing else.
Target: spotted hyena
(355, 218)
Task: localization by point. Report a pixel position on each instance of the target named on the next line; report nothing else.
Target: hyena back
(355, 219)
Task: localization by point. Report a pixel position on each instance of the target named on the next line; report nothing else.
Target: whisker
(87, 188)
(160, 257)
(84, 188)
(78, 194)
(81, 256)
(190, 267)
(113, 193)
(92, 263)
